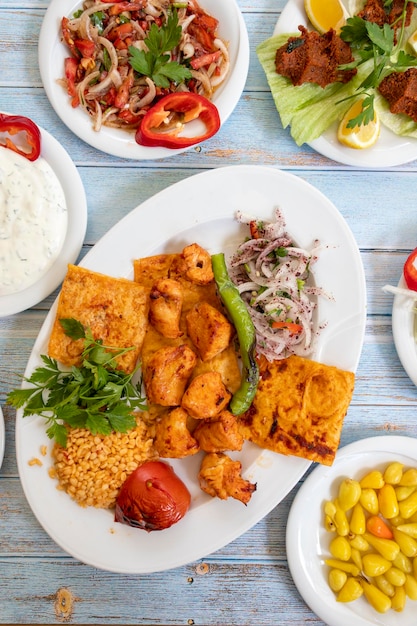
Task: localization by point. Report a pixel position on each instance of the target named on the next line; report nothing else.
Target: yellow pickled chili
(372, 523)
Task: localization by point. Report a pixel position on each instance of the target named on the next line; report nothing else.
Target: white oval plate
(52, 53)
(307, 540)
(2, 437)
(180, 215)
(70, 180)
(403, 324)
(390, 149)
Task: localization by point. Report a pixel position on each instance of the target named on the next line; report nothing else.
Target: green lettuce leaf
(308, 109)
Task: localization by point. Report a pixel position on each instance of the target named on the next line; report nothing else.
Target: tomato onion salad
(271, 274)
(126, 55)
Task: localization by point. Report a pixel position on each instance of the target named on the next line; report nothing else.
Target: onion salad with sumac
(272, 275)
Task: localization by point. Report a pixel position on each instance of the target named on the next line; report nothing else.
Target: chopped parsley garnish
(154, 62)
(96, 395)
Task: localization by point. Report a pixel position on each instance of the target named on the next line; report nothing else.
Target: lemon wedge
(412, 42)
(359, 137)
(326, 14)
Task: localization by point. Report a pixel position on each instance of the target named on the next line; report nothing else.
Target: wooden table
(248, 581)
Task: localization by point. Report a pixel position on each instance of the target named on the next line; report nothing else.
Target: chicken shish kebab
(181, 319)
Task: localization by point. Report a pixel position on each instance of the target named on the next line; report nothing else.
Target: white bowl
(52, 53)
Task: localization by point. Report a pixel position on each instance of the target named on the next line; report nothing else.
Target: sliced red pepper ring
(163, 123)
(30, 135)
(410, 271)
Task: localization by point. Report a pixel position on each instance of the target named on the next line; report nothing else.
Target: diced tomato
(206, 21)
(121, 7)
(86, 47)
(68, 37)
(129, 117)
(71, 67)
(110, 96)
(205, 38)
(121, 31)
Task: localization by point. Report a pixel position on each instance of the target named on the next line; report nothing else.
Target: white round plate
(2, 437)
(390, 149)
(64, 168)
(52, 53)
(403, 325)
(184, 214)
(307, 540)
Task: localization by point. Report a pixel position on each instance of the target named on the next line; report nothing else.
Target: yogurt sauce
(33, 220)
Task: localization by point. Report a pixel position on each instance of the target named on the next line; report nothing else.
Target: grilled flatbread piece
(299, 408)
(115, 309)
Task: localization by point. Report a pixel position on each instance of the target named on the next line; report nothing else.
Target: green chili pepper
(245, 330)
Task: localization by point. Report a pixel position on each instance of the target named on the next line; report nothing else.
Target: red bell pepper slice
(14, 124)
(163, 123)
(410, 271)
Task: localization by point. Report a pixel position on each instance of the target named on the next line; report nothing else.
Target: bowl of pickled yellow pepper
(374, 548)
(352, 535)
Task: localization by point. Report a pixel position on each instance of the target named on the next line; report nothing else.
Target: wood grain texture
(247, 582)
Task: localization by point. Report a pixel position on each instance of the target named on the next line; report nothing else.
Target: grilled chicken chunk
(172, 437)
(197, 264)
(206, 396)
(219, 434)
(209, 330)
(165, 305)
(220, 477)
(166, 374)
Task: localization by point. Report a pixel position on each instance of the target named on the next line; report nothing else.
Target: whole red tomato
(410, 271)
(152, 497)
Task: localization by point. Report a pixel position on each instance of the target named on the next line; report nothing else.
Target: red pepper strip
(14, 124)
(291, 326)
(205, 59)
(410, 271)
(254, 231)
(157, 129)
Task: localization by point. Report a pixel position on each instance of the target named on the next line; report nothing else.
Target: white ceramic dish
(175, 217)
(116, 142)
(403, 325)
(389, 150)
(307, 540)
(70, 180)
(2, 437)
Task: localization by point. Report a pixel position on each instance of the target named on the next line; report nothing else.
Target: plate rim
(235, 82)
(401, 445)
(327, 145)
(301, 465)
(70, 180)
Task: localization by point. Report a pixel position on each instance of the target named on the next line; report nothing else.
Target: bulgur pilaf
(92, 468)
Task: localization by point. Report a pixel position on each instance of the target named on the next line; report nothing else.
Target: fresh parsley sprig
(96, 395)
(370, 41)
(155, 62)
